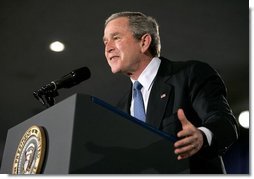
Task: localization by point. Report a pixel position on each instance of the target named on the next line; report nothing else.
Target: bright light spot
(244, 119)
(56, 46)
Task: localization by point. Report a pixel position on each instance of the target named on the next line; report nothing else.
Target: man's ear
(145, 42)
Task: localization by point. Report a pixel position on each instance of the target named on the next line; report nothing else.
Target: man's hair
(141, 24)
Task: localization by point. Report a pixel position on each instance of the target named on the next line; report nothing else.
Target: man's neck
(142, 66)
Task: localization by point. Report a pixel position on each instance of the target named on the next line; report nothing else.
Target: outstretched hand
(191, 139)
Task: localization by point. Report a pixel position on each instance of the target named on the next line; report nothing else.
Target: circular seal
(30, 152)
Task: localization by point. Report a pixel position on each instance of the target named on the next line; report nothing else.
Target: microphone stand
(46, 95)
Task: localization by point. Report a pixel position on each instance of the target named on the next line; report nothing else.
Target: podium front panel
(88, 136)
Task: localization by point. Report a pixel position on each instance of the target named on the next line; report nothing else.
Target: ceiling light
(56, 46)
(244, 119)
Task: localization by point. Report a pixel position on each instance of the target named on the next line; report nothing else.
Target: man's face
(122, 50)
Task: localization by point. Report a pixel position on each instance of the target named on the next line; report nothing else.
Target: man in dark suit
(185, 99)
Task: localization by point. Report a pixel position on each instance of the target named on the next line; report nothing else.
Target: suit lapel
(160, 94)
(126, 102)
(158, 101)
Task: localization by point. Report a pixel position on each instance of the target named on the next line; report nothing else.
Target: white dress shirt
(146, 79)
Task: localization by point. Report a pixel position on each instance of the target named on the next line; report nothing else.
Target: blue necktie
(139, 109)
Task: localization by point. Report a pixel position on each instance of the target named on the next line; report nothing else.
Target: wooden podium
(85, 135)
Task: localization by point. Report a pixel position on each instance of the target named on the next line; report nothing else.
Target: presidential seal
(30, 152)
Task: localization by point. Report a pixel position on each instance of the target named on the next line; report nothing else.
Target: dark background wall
(216, 32)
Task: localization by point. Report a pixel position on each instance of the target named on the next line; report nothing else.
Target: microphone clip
(46, 94)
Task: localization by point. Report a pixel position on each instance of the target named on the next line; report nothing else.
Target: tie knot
(137, 85)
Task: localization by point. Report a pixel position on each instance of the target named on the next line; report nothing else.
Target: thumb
(181, 116)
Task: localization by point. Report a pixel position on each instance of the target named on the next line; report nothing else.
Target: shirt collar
(147, 76)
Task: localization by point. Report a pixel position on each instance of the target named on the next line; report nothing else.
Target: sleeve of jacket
(208, 97)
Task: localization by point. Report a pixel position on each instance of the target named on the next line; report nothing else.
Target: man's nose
(109, 46)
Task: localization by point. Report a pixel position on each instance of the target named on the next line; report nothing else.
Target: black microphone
(47, 93)
(71, 79)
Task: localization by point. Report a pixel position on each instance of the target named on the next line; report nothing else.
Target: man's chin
(114, 71)
(118, 70)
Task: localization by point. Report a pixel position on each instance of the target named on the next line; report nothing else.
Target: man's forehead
(116, 28)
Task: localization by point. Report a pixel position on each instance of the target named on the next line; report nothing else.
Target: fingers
(190, 150)
(186, 125)
(188, 131)
(181, 116)
(185, 141)
(191, 138)
(188, 146)
(185, 149)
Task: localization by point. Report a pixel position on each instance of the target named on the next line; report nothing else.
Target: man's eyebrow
(103, 39)
(111, 35)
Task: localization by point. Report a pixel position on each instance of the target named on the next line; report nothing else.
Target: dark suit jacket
(199, 90)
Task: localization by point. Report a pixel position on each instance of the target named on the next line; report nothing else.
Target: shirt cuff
(208, 134)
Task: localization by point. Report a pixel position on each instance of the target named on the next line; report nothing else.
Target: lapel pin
(163, 95)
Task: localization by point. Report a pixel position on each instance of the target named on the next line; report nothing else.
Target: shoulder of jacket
(184, 65)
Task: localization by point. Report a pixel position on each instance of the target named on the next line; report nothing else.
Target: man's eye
(116, 37)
